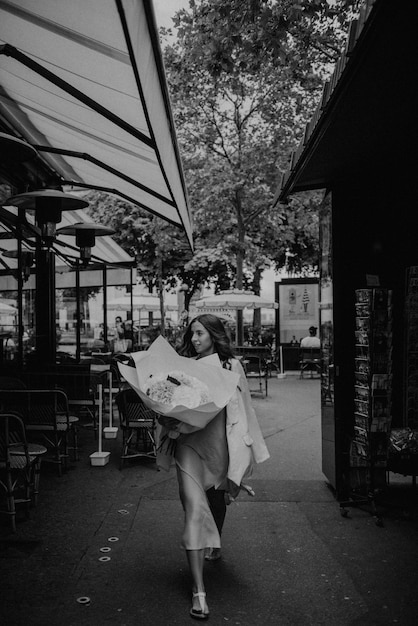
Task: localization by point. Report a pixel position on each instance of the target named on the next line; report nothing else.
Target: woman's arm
(176, 425)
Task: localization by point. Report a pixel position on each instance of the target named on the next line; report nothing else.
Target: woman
(215, 459)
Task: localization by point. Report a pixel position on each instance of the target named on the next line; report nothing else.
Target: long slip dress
(202, 462)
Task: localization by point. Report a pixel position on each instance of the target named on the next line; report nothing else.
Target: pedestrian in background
(311, 341)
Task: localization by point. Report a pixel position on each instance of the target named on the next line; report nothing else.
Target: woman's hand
(169, 422)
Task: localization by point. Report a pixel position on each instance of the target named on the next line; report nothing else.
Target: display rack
(372, 398)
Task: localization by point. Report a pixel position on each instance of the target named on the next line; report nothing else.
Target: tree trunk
(239, 340)
(161, 292)
(257, 312)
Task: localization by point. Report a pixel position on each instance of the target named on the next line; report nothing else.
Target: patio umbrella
(235, 299)
(7, 309)
(141, 302)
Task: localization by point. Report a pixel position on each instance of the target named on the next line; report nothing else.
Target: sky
(165, 9)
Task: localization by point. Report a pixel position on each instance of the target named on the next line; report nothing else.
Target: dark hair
(217, 331)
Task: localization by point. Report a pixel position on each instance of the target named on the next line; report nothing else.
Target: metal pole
(78, 311)
(45, 305)
(105, 305)
(20, 328)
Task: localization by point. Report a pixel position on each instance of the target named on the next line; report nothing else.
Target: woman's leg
(200, 529)
(216, 499)
(195, 560)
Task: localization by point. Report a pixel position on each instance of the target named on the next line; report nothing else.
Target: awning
(84, 83)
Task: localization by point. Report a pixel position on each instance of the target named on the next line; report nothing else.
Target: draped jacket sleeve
(246, 444)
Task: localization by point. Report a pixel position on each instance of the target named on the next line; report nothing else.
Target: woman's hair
(217, 331)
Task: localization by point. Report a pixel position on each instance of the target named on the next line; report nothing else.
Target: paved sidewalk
(289, 558)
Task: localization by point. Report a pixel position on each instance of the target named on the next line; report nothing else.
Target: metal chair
(310, 361)
(36, 451)
(45, 413)
(138, 425)
(256, 369)
(16, 471)
(76, 382)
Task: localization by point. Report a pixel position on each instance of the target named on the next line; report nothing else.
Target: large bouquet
(177, 388)
(192, 391)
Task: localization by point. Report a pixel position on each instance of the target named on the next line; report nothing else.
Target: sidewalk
(289, 558)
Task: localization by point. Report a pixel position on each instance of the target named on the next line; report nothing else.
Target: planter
(99, 458)
(110, 432)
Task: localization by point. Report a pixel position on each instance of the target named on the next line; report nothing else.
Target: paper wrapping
(161, 358)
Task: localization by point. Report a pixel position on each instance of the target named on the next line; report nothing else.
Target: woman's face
(201, 340)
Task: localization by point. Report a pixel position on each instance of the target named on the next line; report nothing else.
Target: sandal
(203, 612)
(213, 554)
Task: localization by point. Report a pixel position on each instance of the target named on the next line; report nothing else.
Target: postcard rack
(372, 399)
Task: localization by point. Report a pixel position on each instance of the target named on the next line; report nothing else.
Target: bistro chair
(76, 382)
(256, 370)
(45, 413)
(17, 471)
(138, 425)
(309, 361)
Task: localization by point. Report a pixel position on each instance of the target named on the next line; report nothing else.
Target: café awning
(84, 83)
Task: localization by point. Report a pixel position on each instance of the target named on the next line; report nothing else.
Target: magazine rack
(372, 399)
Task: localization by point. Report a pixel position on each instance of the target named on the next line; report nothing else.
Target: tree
(300, 36)
(244, 78)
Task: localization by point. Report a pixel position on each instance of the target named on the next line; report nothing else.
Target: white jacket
(245, 442)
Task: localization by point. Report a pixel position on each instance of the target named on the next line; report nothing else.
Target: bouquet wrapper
(161, 358)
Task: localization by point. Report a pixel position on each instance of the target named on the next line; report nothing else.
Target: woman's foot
(212, 554)
(199, 608)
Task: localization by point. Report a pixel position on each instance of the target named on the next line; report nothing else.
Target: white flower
(177, 388)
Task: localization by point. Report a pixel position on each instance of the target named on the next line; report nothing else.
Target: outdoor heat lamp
(15, 150)
(27, 260)
(48, 205)
(85, 236)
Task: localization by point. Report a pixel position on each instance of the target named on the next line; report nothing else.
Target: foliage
(143, 236)
(244, 78)
(247, 35)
